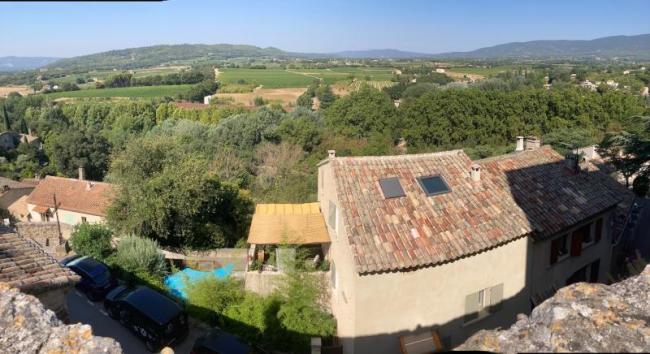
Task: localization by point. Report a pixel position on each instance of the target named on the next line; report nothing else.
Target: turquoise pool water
(176, 282)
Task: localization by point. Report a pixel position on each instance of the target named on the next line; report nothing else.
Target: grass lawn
(140, 91)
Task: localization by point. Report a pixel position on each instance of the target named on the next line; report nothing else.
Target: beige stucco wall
(545, 275)
(372, 311)
(65, 216)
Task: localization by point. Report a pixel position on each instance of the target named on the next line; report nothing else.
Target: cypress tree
(6, 118)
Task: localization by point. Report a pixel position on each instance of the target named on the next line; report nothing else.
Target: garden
(283, 321)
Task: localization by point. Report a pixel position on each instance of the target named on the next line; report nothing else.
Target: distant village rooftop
(409, 211)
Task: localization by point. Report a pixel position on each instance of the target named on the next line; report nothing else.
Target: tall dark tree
(5, 118)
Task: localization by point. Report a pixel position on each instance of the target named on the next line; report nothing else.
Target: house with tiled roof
(438, 242)
(77, 200)
(24, 265)
(13, 195)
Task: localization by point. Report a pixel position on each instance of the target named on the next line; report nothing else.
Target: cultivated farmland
(279, 78)
(140, 91)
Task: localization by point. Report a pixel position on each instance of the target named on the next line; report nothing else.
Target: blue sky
(433, 26)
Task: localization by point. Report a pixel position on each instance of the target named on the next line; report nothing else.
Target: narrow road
(83, 310)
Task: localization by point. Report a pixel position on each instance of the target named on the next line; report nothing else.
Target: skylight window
(433, 185)
(391, 187)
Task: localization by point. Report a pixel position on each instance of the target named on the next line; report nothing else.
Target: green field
(489, 71)
(141, 91)
(279, 78)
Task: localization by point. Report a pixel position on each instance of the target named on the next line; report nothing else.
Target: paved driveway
(82, 310)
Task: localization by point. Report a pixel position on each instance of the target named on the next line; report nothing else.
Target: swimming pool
(176, 282)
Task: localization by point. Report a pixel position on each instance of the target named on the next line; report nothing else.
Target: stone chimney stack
(331, 154)
(475, 173)
(520, 143)
(532, 143)
(82, 173)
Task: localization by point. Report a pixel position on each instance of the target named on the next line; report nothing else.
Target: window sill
(587, 245)
(559, 260)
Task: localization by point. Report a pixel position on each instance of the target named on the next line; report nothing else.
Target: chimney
(331, 154)
(532, 143)
(82, 173)
(475, 173)
(520, 143)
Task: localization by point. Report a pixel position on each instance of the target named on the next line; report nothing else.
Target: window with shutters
(559, 248)
(482, 303)
(588, 237)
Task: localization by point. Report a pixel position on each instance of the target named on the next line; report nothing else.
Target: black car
(96, 279)
(217, 341)
(155, 318)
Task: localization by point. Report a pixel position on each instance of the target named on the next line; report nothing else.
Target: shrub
(139, 255)
(259, 101)
(210, 296)
(641, 185)
(254, 319)
(92, 240)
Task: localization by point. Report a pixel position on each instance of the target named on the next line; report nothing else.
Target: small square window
(433, 185)
(391, 187)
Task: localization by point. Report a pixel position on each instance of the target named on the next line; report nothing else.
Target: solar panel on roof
(391, 187)
(433, 185)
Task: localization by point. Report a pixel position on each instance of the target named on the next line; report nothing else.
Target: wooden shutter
(496, 298)
(599, 230)
(471, 307)
(555, 248)
(576, 243)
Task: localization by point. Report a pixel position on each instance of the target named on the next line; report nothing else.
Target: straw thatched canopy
(296, 224)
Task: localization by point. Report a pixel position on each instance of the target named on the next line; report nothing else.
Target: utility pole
(56, 213)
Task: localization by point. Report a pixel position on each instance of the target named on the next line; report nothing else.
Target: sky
(65, 29)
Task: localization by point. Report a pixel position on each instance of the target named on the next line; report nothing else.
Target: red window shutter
(599, 230)
(555, 247)
(576, 244)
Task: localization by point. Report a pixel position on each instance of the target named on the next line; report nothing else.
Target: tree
(5, 118)
(73, 148)
(362, 113)
(629, 152)
(175, 198)
(92, 240)
(138, 255)
(325, 96)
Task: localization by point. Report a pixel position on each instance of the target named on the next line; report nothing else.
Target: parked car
(153, 317)
(217, 341)
(96, 279)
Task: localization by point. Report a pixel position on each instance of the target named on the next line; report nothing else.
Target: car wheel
(151, 346)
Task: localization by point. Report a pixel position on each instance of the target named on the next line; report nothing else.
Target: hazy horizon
(71, 29)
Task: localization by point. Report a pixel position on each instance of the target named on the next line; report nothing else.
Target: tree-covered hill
(607, 47)
(24, 63)
(164, 54)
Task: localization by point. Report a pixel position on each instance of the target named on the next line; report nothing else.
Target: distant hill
(164, 54)
(636, 47)
(379, 54)
(24, 63)
(607, 47)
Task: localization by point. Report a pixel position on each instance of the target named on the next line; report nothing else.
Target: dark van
(153, 317)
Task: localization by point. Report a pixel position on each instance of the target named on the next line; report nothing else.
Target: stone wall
(27, 327)
(579, 318)
(46, 234)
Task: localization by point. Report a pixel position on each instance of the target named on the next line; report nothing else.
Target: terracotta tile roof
(23, 264)
(288, 223)
(527, 193)
(72, 194)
